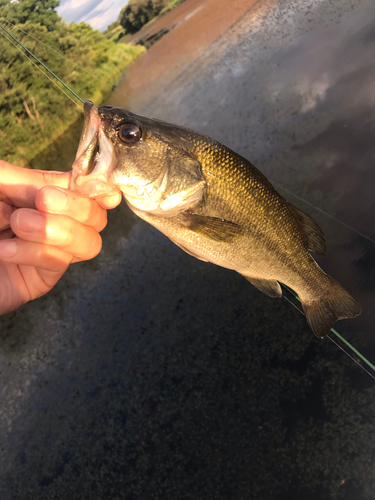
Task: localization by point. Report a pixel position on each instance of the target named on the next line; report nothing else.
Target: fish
(211, 202)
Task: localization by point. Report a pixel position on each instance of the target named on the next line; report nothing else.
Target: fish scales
(240, 193)
(211, 202)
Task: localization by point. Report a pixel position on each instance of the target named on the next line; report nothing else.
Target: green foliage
(34, 11)
(115, 31)
(33, 112)
(137, 13)
(111, 28)
(170, 5)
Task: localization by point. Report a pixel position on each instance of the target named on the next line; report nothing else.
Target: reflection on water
(304, 114)
(320, 146)
(61, 154)
(151, 374)
(332, 74)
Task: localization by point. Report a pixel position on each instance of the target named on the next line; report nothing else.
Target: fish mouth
(95, 159)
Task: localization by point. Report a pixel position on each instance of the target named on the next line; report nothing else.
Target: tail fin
(322, 314)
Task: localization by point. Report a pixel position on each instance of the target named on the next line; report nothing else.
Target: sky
(98, 13)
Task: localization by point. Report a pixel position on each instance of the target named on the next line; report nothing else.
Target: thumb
(18, 186)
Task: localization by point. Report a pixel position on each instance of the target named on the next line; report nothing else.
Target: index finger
(18, 185)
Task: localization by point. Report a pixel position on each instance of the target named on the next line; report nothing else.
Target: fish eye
(129, 133)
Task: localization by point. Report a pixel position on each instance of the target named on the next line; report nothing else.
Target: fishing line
(337, 344)
(43, 73)
(323, 212)
(351, 357)
(40, 62)
(65, 58)
(365, 360)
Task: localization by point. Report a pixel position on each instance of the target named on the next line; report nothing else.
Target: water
(149, 374)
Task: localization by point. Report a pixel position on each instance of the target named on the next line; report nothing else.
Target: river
(149, 374)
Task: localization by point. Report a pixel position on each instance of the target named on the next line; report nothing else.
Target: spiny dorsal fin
(315, 237)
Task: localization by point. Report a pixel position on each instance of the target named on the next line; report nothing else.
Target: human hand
(44, 227)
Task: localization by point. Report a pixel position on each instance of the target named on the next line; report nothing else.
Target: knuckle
(87, 211)
(93, 215)
(46, 176)
(59, 231)
(52, 178)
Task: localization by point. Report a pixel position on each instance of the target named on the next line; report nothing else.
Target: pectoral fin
(212, 227)
(271, 288)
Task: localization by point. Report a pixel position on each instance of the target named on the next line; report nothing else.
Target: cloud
(323, 67)
(98, 13)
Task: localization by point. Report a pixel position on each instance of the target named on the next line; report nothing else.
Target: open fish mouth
(95, 159)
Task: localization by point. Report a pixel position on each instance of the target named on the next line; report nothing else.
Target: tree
(137, 13)
(33, 112)
(35, 11)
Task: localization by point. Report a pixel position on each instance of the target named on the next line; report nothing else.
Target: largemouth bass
(212, 203)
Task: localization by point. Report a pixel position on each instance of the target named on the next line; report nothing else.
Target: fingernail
(55, 199)
(8, 248)
(29, 220)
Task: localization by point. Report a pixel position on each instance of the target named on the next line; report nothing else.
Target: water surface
(148, 374)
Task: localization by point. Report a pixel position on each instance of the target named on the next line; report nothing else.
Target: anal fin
(271, 288)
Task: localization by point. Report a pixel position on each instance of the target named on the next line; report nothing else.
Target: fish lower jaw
(146, 205)
(92, 188)
(152, 209)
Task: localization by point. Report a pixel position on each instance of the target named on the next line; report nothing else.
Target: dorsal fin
(315, 237)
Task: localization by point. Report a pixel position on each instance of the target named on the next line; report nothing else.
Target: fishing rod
(342, 339)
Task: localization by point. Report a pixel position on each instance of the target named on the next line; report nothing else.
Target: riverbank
(36, 110)
(40, 154)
